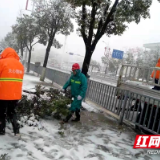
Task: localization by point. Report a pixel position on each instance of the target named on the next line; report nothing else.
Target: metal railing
(104, 95)
(140, 110)
(143, 111)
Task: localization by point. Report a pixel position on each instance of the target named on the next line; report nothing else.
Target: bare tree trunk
(106, 70)
(29, 59)
(87, 59)
(46, 60)
(21, 51)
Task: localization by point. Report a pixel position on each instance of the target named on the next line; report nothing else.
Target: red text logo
(147, 141)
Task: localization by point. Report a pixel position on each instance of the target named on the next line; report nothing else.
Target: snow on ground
(70, 142)
(30, 81)
(142, 84)
(90, 108)
(107, 82)
(96, 137)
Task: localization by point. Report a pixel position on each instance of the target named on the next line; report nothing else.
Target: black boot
(77, 119)
(67, 118)
(15, 125)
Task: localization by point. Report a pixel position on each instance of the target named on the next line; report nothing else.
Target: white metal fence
(139, 74)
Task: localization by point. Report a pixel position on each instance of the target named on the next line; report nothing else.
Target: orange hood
(9, 53)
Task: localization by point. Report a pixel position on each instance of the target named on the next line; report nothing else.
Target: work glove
(79, 97)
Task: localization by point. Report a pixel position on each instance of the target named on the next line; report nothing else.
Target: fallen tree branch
(29, 92)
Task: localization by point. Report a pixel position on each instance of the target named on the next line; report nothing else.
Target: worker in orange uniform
(11, 77)
(157, 75)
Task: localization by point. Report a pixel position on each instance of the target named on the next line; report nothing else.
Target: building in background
(151, 46)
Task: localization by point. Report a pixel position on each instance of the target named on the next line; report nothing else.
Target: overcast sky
(147, 31)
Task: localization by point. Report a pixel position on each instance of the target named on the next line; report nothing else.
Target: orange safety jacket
(157, 72)
(11, 75)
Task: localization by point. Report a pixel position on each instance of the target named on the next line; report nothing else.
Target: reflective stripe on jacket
(11, 75)
(78, 84)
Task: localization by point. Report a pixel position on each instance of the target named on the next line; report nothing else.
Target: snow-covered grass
(96, 137)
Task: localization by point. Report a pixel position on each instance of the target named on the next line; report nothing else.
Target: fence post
(123, 107)
(37, 65)
(120, 76)
(88, 87)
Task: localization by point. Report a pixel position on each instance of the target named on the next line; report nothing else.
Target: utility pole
(27, 4)
(26, 53)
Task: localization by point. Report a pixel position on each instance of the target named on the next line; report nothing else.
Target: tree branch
(100, 24)
(100, 33)
(35, 43)
(27, 46)
(106, 9)
(91, 27)
(109, 16)
(52, 35)
(48, 30)
(83, 27)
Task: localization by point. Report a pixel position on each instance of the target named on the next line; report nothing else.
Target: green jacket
(78, 84)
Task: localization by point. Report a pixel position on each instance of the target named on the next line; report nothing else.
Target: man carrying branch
(78, 83)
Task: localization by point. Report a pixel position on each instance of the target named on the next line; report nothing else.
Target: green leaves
(45, 103)
(54, 16)
(111, 17)
(56, 44)
(27, 30)
(133, 10)
(9, 41)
